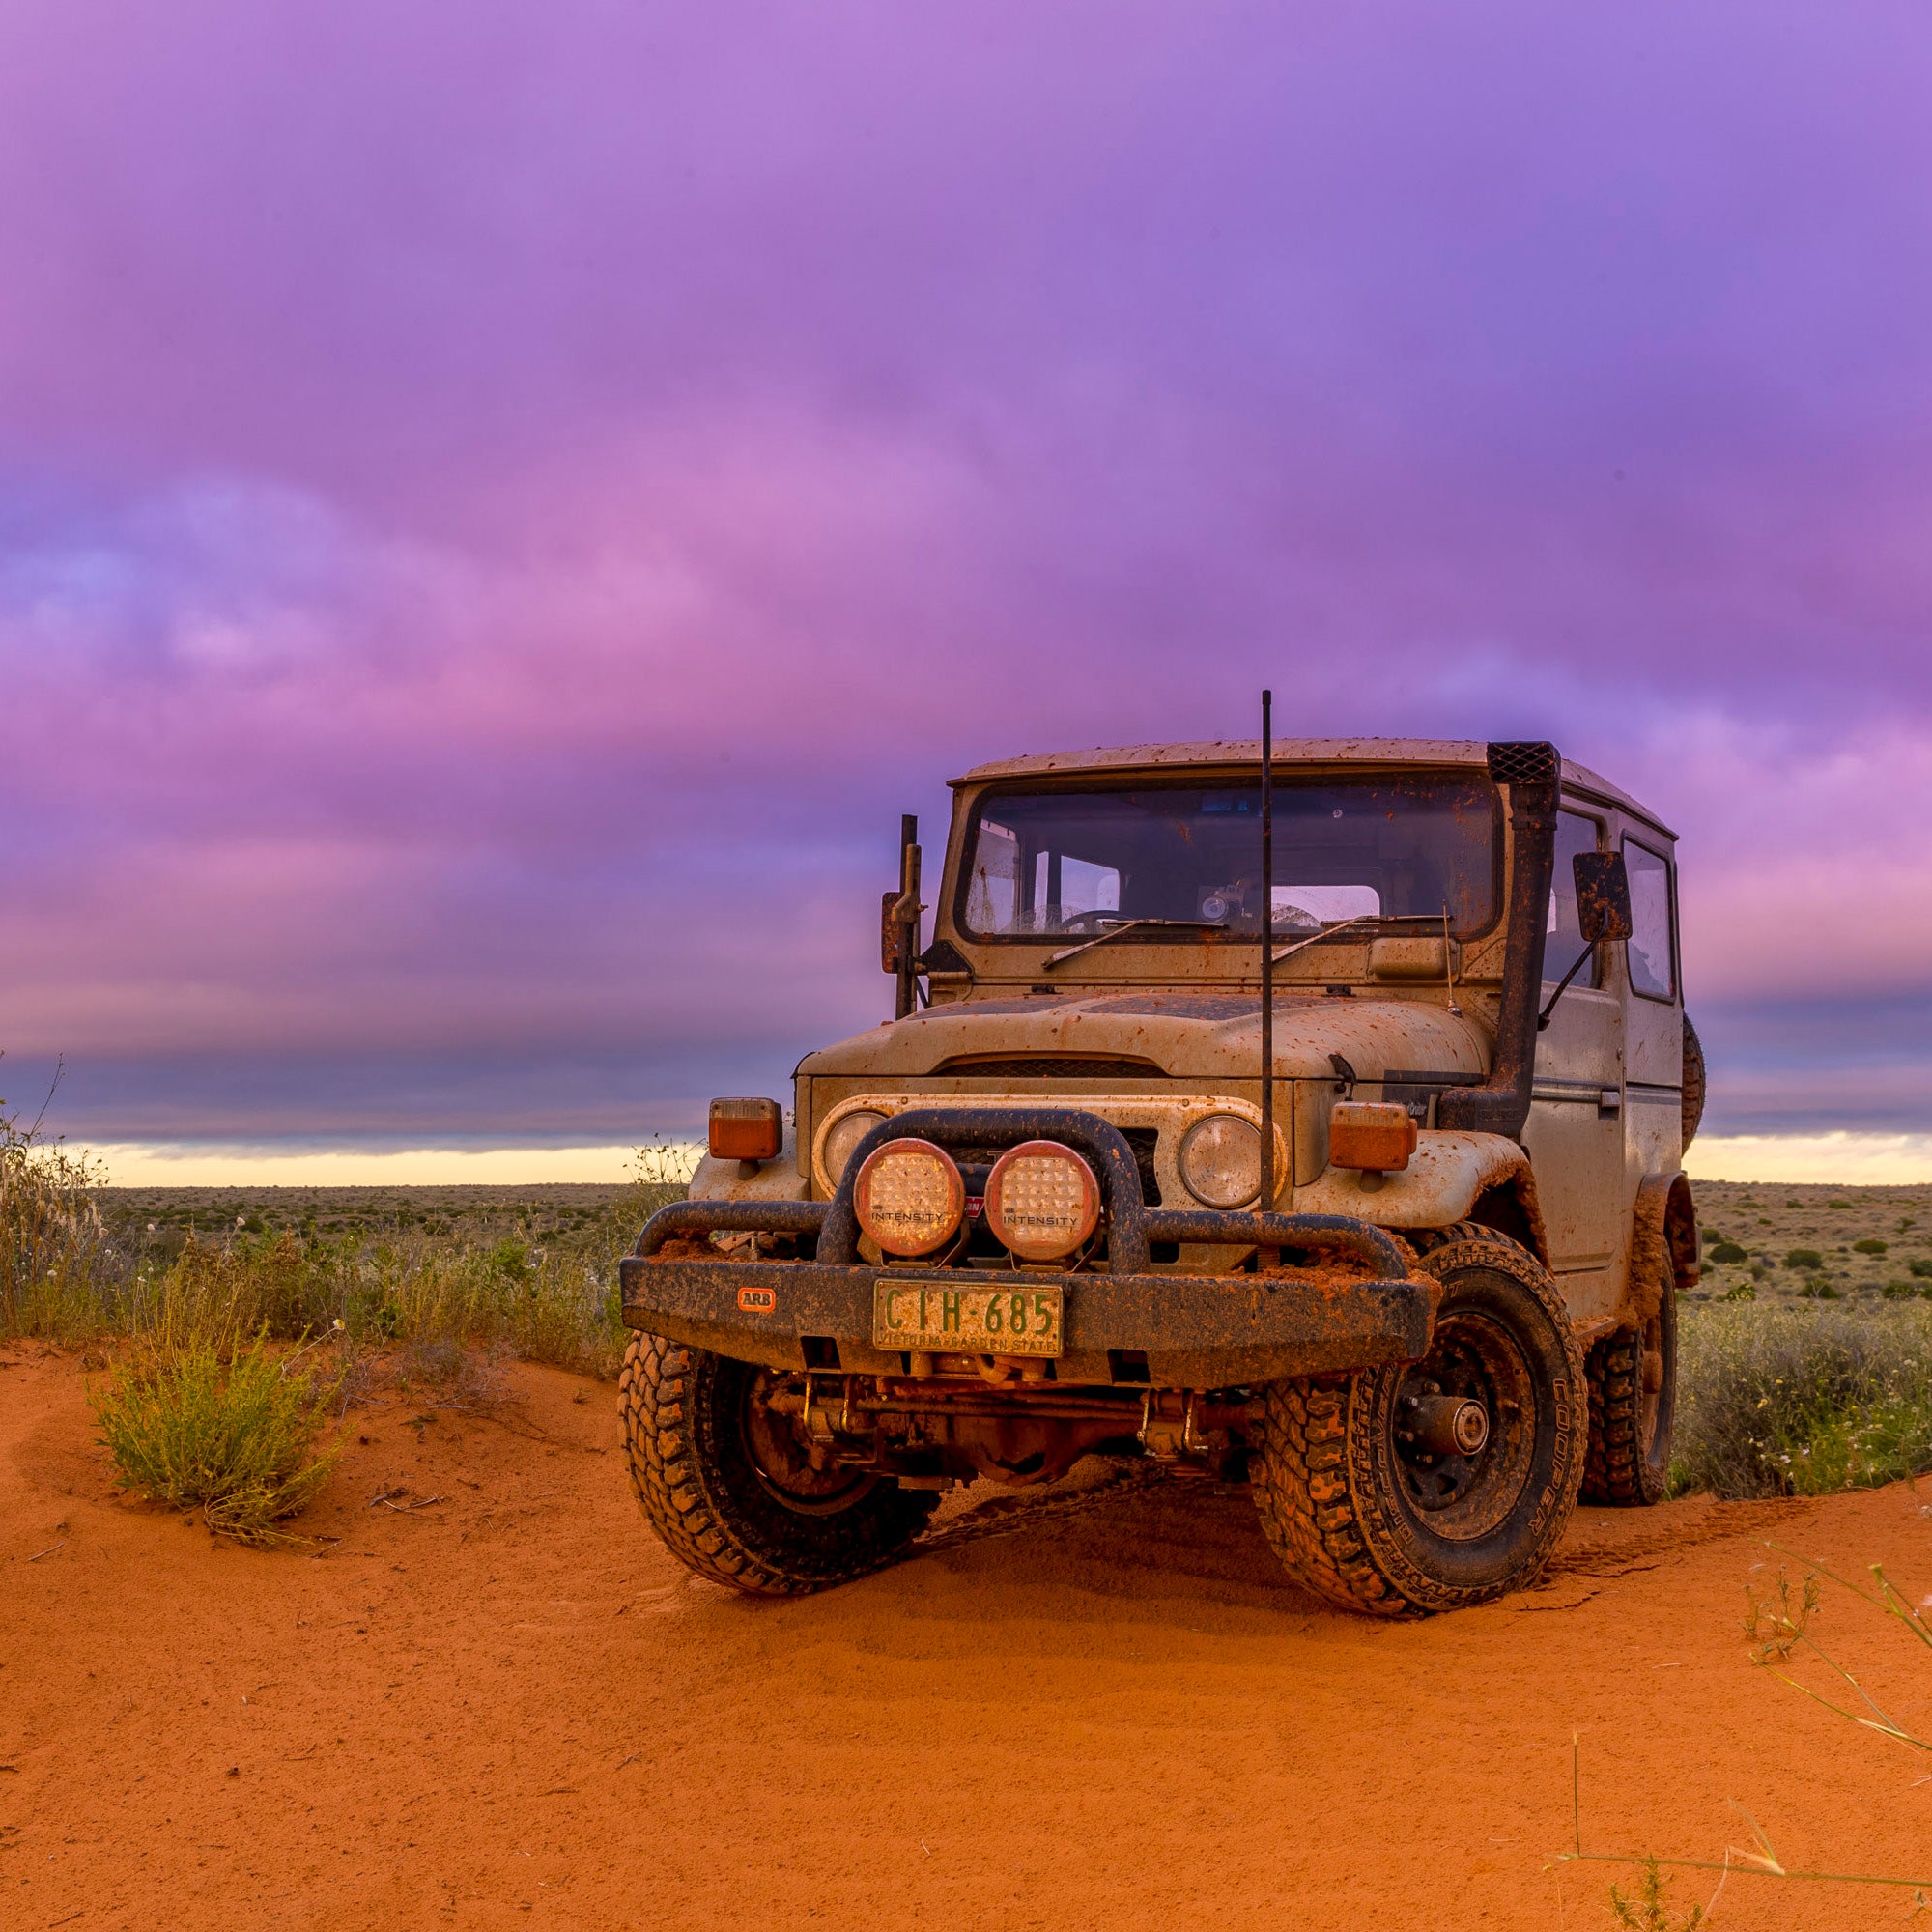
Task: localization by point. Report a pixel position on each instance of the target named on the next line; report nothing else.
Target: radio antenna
(1267, 952)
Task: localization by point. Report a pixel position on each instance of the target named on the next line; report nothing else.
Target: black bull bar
(1123, 1322)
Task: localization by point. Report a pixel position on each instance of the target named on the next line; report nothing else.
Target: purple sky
(501, 507)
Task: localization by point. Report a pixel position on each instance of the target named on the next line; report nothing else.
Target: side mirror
(1602, 896)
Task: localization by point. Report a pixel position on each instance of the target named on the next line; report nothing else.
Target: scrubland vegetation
(1806, 1362)
(530, 1273)
(233, 1328)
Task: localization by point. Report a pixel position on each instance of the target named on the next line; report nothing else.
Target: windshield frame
(1208, 779)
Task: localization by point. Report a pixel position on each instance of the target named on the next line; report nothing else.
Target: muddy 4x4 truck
(1418, 1288)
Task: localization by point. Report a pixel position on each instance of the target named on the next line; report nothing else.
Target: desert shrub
(1801, 1401)
(1804, 1258)
(1649, 1910)
(231, 1434)
(1920, 1266)
(1726, 1252)
(1900, 1290)
(53, 1243)
(1871, 1245)
(1820, 1288)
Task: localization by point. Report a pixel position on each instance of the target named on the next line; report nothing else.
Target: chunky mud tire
(727, 1485)
(1364, 1521)
(1691, 1105)
(1632, 1378)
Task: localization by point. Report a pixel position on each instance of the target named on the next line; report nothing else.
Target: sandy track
(509, 1708)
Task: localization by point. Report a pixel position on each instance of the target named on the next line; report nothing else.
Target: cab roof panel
(1394, 753)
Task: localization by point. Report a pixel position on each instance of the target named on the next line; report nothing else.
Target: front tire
(727, 1484)
(1364, 1518)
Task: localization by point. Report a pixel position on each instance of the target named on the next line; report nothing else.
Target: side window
(1650, 950)
(1565, 942)
(993, 899)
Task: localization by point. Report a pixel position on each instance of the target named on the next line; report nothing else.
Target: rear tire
(727, 1484)
(1373, 1525)
(1632, 1377)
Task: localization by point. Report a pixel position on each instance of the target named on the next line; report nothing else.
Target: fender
(777, 1178)
(1664, 1226)
(1447, 1176)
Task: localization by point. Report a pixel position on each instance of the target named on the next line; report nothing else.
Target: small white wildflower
(152, 1226)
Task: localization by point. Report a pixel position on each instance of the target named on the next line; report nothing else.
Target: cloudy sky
(501, 507)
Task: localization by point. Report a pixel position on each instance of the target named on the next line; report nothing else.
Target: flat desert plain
(492, 1700)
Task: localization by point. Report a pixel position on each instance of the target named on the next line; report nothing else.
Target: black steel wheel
(1435, 1484)
(1632, 1378)
(729, 1484)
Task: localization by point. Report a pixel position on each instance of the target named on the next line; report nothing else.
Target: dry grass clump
(53, 1246)
(231, 1434)
(1802, 1400)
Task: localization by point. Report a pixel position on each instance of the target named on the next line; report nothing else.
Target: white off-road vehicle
(1312, 1120)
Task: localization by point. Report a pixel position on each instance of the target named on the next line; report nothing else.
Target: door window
(1564, 943)
(1652, 951)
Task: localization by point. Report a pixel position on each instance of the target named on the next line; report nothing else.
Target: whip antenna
(1267, 952)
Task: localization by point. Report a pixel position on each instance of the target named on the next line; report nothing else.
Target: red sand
(512, 1709)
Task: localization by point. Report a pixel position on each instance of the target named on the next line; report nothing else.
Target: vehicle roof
(1394, 751)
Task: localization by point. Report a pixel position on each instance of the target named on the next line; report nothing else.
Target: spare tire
(1693, 1082)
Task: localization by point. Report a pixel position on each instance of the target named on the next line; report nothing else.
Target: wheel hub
(1444, 1425)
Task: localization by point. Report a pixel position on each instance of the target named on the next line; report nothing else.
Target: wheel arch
(1664, 1230)
(1451, 1176)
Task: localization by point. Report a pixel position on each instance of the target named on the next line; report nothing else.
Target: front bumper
(1125, 1324)
(1171, 1330)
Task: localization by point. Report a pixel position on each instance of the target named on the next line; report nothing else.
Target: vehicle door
(1653, 1022)
(1574, 1134)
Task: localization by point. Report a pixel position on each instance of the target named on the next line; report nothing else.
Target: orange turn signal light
(1376, 1136)
(745, 1129)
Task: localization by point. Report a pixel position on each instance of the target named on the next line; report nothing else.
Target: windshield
(1080, 859)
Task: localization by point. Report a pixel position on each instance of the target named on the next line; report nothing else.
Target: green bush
(1804, 1258)
(1820, 1288)
(1900, 1290)
(231, 1434)
(1871, 1246)
(1921, 1267)
(1727, 1252)
(1782, 1401)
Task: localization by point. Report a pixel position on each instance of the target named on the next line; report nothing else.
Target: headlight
(1041, 1200)
(844, 1138)
(1221, 1161)
(909, 1197)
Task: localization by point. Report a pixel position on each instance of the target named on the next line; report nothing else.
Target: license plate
(966, 1321)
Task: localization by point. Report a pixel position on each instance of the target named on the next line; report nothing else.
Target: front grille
(1059, 1067)
(1143, 1141)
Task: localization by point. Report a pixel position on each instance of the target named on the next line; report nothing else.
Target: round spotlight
(845, 1134)
(1221, 1160)
(1043, 1201)
(909, 1197)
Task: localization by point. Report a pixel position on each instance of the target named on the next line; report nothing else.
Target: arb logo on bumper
(758, 1301)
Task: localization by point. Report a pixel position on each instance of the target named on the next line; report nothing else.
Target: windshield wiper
(1131, 925)
(1326, 932)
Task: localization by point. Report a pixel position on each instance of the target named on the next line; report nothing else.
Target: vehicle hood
(1180, 1036)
